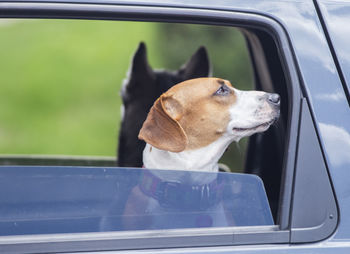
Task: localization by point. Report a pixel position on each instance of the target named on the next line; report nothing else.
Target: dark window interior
(265, 152)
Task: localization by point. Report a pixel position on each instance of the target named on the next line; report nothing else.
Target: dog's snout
(274, 98)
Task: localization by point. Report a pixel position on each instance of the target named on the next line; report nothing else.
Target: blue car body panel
(336, 15)
(335, 130)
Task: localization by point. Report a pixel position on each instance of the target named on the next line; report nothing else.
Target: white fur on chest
(204, 159)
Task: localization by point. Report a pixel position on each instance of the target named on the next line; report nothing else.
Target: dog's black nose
(274, 98)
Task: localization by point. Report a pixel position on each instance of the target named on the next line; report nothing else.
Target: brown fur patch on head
(221, 82)
(196, 114)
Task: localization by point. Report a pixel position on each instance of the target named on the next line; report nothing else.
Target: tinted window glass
(45, 200)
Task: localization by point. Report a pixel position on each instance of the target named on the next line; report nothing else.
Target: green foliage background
(60, 79)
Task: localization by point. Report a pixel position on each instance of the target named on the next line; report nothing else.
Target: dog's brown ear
(161, 128)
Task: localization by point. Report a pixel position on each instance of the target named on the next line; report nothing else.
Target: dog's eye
(223, 90)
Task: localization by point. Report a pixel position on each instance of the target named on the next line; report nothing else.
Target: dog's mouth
(263, 125)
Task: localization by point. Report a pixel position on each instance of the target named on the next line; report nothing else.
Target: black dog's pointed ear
(140, 68)
(198, 66)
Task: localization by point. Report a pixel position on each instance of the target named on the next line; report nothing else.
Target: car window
(48, 200)
(70, 100)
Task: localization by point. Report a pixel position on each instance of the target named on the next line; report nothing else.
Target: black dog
(141, 89)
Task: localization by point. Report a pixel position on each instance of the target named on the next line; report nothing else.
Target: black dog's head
(142, 87)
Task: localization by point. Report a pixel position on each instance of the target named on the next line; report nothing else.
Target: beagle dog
(188, 129)
(190, 126)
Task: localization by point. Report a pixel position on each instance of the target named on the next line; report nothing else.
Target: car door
(297, 180)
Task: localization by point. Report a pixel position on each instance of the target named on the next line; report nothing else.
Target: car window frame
(279, 233)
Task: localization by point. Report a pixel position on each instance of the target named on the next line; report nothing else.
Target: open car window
(73, 108)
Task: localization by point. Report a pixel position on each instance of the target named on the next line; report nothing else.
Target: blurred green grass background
(60, 84)
(60, 79)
